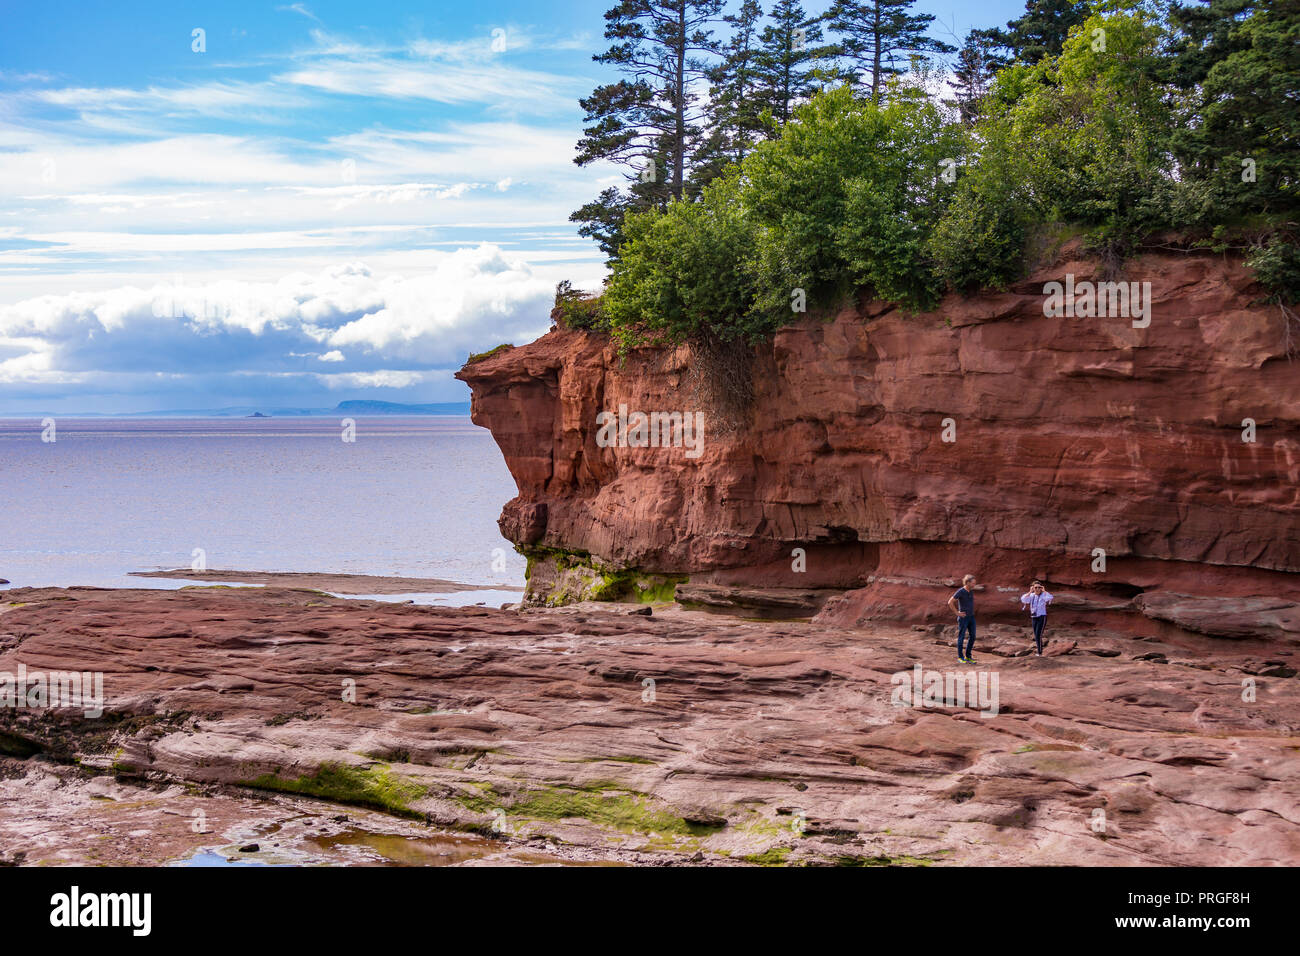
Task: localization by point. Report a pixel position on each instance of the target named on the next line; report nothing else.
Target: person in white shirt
(1037, 600)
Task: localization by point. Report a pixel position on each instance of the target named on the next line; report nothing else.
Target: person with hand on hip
(963, 603)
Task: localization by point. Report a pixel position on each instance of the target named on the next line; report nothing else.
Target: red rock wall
(1072, 434)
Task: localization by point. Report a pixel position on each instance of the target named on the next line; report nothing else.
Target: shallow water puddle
(388, 849)
(359, 847)
(213, 858)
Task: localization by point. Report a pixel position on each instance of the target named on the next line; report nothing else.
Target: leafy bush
(1277, 266)
(684, 271)
(575, 309)
(846, 197)
(980, 241)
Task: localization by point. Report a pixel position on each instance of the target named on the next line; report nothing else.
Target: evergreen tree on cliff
(1042, 29)
(789, 56)
(735, 111)
(649, 120)
(602, 220)
(1205, 32)
(977, 64)
(1238, 63)
(877, 38)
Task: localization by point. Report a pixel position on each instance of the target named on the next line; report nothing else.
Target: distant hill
(396, 408)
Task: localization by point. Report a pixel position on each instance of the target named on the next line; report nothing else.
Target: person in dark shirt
(963, 603)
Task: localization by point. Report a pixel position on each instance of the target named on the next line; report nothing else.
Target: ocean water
(416, 497)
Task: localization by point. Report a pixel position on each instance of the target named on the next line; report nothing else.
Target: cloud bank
(302, 339)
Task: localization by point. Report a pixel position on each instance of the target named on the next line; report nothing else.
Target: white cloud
(256, 189)
(452, 83)
(246, 101)
(300, 8)
(344, 196)
(383, 378)
(377, 331)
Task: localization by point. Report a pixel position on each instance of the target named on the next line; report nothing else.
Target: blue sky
(331, 201)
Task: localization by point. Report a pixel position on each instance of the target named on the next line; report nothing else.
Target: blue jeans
(1039, 622)
(965, 625)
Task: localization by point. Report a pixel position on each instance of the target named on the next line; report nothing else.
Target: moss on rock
(375, 786)
(557, 577)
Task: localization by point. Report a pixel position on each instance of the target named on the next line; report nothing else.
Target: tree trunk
(679, 147)
(875, 63)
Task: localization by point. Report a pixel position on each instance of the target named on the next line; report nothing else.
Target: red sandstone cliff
(1072, 434)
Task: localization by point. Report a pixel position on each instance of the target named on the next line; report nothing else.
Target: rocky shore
(349, 584)
(590, 734)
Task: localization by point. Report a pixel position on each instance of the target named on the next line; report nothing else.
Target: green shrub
(1277, 265)
(575, 309)
(980, 241)
(846, 198)
(685, 271)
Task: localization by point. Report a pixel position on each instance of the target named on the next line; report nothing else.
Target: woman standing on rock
(1037, 598)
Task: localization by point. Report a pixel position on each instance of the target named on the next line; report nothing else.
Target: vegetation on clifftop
(480, 356)
(575, 309)
(1123, 120)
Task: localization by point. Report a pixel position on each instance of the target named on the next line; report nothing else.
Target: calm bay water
(417, 497)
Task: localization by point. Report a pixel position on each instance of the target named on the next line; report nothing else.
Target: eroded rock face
(1072, 436)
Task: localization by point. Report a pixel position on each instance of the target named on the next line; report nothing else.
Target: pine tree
(602, 220)
(658, 45)
(735, 109)
(878, 35)
(1239, 61)
(977, 64)
(1042, 29)
(789, 54)
(649, 120)
(1206, 33)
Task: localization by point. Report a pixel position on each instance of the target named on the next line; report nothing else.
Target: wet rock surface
(588, 734)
